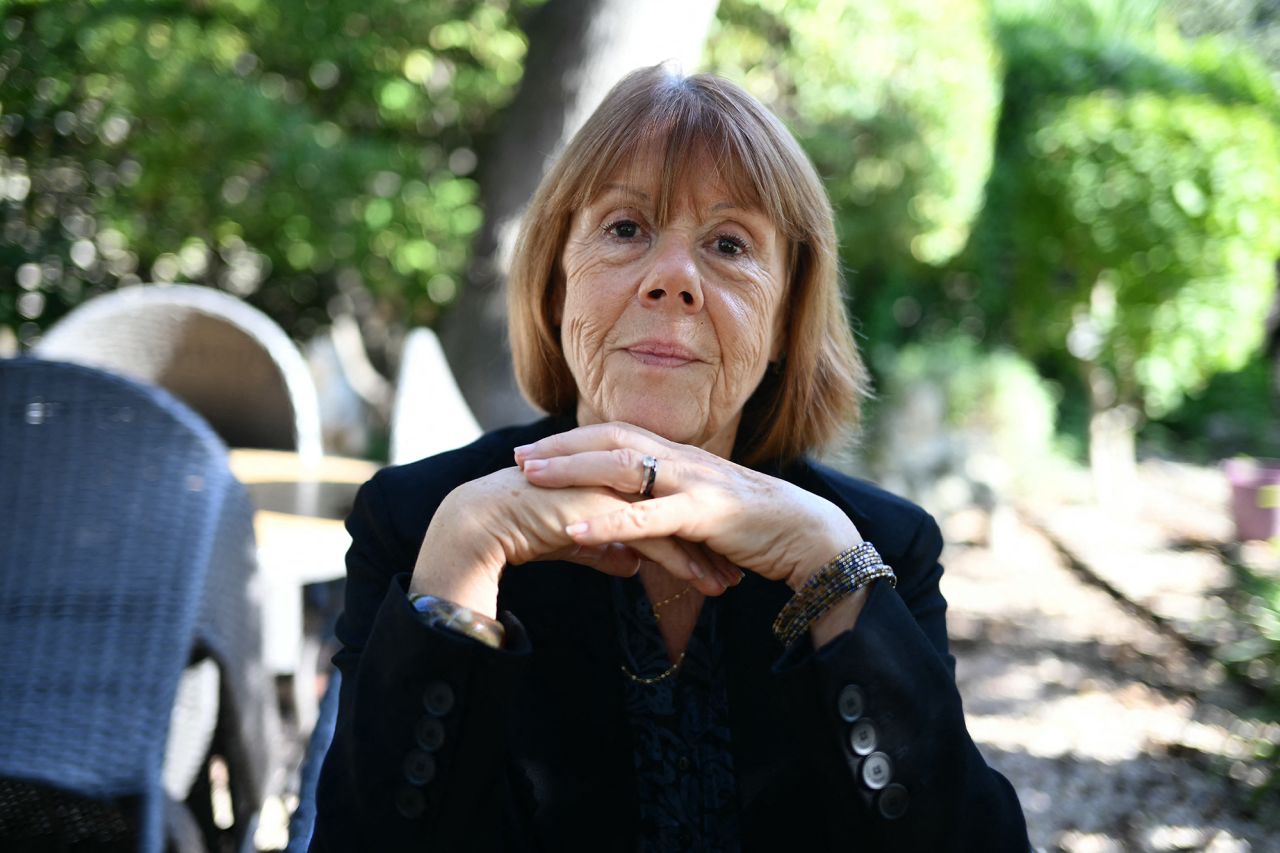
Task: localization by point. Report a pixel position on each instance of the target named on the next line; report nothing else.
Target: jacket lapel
(580, 766)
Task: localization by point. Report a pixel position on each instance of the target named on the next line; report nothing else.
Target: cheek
(584, 333)
(746, 339)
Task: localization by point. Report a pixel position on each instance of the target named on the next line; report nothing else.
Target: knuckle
(635, 516)
(617, 433)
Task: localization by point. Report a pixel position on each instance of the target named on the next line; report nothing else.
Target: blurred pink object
(1255, 497)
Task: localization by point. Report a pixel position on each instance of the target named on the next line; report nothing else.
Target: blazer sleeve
(888, 731)
(417, 753)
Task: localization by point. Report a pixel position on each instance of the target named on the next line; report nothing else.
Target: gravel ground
(1116, 737)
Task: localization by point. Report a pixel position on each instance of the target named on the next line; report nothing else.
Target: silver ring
(650, 475)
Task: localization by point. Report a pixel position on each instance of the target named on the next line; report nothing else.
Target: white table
(300, 506)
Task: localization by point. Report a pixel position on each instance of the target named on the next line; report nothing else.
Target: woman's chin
(671, 429)
(678, 424)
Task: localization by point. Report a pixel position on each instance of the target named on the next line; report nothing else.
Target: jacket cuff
(888, 731)
(428, 729)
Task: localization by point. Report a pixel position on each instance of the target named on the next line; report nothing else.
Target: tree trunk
(1112, 448)
(577, 50)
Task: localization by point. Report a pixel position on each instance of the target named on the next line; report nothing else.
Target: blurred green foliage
(1121, 183)
(1141, 233)
(993, 400)
(1236, 414)
(1076, 178)
(1254, 659)
(1254, 23)
(1133, 219)
(872, 91)
(1257, 654)
(285, 151)
(897, 104)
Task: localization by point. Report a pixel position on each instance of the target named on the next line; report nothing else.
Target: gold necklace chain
(671, 670)
(648, 680)
(657, 617)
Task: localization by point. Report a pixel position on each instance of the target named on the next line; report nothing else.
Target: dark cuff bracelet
(442, 613)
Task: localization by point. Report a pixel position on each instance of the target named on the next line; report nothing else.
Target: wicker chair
(222, 357)
(126, 559)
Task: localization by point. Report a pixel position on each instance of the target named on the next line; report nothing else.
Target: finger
(724, 571)
(653, 519)
(684, 561)
(613, 558)
(621, 469)
(732, 574)
(608, 436)
(680, 559)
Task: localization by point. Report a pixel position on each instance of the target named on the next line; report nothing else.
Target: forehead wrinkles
(690, 158)
(673, 163)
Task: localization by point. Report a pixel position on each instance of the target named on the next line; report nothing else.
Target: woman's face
(670, 327)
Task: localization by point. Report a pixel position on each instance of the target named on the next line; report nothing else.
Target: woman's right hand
(500, 519)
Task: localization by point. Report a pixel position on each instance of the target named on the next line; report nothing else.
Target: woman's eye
(624, 229)
(727, 244)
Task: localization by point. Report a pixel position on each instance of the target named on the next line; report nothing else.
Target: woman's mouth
(661, 354)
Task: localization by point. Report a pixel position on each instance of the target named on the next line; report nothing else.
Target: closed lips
(660, 354)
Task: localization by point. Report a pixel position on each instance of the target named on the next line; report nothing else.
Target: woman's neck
(678, 616)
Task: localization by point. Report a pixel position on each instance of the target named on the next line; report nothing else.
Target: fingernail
(696, 568)
(730, 576)
(741, 575)
(534, 465)
(522, 450)
(578, 527)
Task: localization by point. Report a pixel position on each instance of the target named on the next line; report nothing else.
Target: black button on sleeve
(892, 802)
(438, 698)
(863, 738)
(419, 767)
(876, 770)
(429, 734)
(850, 704)
(410, 802)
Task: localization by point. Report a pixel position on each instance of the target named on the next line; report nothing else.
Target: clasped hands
(575, 496)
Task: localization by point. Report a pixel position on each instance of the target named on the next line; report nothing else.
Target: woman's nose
(673, 279)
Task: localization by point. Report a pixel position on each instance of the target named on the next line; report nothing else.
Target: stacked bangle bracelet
(851, 570)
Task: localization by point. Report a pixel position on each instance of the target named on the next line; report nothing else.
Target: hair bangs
(696, 140)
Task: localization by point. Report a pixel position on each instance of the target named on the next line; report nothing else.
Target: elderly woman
(649, 621)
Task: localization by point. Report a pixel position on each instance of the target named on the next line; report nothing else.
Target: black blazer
(443, 744)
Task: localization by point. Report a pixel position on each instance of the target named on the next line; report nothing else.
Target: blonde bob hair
(813, 393)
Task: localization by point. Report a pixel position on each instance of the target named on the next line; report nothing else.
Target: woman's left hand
(757, 522)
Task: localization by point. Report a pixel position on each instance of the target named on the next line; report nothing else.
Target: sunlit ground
(1115, 735)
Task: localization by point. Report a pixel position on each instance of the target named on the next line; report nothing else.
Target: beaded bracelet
(851, 570)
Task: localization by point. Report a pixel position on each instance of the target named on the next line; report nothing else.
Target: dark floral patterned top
(680, 727)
